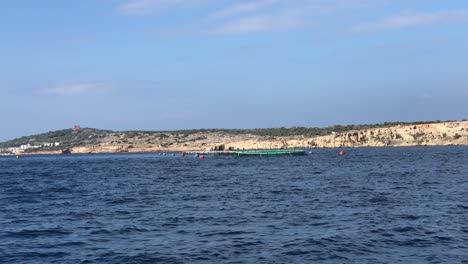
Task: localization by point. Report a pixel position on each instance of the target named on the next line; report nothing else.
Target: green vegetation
(297, 131)
(67, 138)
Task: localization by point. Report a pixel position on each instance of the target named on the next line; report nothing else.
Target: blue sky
(175, 64)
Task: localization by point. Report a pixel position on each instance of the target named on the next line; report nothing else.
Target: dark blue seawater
(383, 205)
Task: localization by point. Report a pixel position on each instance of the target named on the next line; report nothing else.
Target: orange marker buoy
(182, 154)
(341, 153)
(201, 157)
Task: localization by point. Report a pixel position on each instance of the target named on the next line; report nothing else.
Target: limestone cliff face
(453, 133)
(449, 133)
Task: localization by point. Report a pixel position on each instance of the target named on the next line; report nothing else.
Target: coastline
(53, 153)
(431, 134)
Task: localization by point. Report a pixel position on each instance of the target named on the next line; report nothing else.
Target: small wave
(404, 229)
(122, 212)
(443, 238)
(227, 233)
(122, 201)
(72, 244)
(416, 242)
(81, 215)
(277, 191)
(101, 232)
(24, 199)
(376, 174)
(27, 233)
(130, 229)
(409, 217)
(430, 183)
(305, 243)
(113, 257)
(297, 252)
(21, 257)
(380, 199)
(247, 244)
(58, 190)
(319, 224)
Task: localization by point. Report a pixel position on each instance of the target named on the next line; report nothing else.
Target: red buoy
(182, 154)
(201, 157)
(341, 153)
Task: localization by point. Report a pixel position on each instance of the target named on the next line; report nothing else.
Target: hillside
(89, 140)
(68, 138)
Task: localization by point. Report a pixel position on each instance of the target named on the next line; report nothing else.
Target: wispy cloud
(260, 23)
(412, 19)
(246, 16)
(277, 15)
(148, 7)
(427, 96)
(78, 88)
(241, 8)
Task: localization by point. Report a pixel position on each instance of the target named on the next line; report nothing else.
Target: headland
(90, 140)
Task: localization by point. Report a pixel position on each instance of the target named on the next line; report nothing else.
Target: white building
(25, 147)
(15, 150)
(55, 144)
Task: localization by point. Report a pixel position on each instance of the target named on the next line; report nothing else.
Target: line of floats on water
(243, 153)
(249, 153)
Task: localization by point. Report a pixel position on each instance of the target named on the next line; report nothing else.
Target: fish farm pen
(270, 152)
(248, 153)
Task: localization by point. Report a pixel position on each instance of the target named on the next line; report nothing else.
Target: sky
(184, 64)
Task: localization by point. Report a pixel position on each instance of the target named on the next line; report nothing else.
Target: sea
(372, 205)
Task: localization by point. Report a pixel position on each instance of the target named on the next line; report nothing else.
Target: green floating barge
(270, 152)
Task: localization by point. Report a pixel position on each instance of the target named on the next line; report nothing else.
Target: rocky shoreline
(433, 134)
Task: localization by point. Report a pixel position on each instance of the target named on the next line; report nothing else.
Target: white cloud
(274, 15)
(240, 8)
(143, 7)
(78, 88)
(148, 7)
(427, 96)
(248, 15)
(260, 23)
(411, 20)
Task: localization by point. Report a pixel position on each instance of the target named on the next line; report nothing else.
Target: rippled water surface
(384, 205)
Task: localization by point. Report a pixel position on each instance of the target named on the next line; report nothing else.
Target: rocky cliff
(388, 134)
(449, 133)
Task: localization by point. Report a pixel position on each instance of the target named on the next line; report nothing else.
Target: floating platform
(270, 152)
(247, 153)
(212, 152)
